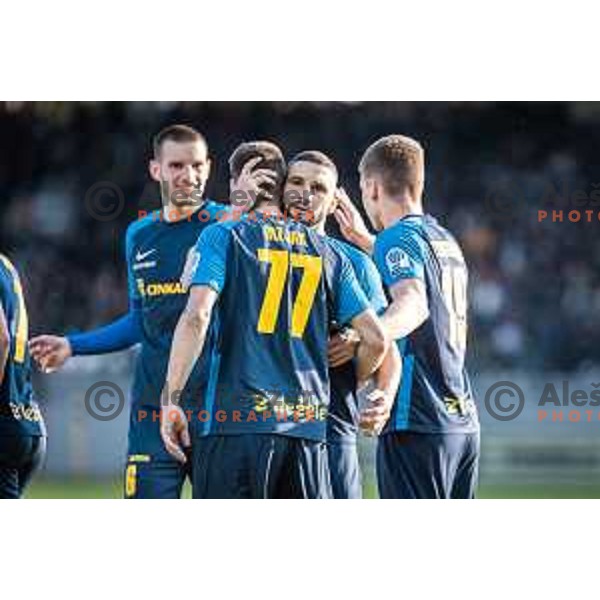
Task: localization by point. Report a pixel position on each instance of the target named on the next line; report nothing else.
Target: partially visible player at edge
(22, 429)
(156, 250)
(314, 176)
(278, 284)
(430, 447)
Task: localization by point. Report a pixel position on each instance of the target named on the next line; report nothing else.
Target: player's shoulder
(7, 269)
(410, 232)
(356, 255)
(215, 209)
(8, 274)
(408, 226)
(217, 232)
(5, 263)
(135, 227)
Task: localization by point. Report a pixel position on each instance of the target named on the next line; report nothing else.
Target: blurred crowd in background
(535, 285)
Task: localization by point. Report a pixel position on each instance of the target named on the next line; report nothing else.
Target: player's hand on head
(50, 351)
(174, 431)
(375, 413)
(351, 223)
(253, 181)
(342, 347)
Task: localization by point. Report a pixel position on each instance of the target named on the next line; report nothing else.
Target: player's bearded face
(182, 171)
(310, 189)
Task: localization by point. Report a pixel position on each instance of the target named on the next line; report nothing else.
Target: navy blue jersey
(343, 412)
(19, 413)
(280, 284)
(435, 393)
(156, 252)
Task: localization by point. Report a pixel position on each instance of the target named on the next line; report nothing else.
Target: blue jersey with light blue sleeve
(281, 285)
(156, 252)
(435, 393)
(342, 425)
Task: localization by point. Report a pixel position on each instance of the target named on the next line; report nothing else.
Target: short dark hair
(176, 133)
(272, 158)
(399, 161)
(316, 157)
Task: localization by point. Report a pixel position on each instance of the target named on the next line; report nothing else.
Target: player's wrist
(364, 240)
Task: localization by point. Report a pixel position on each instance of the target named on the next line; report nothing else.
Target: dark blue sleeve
(122, 333)
(211, 252)
(370, 281)
(349, 299)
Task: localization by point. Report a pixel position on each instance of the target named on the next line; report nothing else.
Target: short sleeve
(371, 283)
(211, 257)
(399, 255)
(349, 298)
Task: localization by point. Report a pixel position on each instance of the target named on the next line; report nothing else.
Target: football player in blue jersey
(156, 250)
(274, 286)
(430, 446)
(314, 178)
(22, 429)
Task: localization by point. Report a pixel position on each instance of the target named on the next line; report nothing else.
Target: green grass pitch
(83, 488)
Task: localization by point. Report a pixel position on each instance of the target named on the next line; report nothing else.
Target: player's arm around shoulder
(353, 307)
(207, 280)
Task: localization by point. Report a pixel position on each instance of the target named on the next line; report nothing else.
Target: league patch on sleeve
(191, 265)
(399, 263)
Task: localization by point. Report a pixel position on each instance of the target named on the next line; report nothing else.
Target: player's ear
(374, 189)
(154, 170)
(333, 204)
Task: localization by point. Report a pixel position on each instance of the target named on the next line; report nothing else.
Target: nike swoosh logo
(143, 255)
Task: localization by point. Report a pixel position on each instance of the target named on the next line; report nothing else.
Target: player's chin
(186, 200)
(301, 213)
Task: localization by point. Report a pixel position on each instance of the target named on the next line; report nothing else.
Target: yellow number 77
(280, 261)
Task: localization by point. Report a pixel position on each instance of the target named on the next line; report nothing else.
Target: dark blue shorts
(424, 465)
(259, 466)
(147, 478)
(20, 457)
(151, 472)
(344, 469)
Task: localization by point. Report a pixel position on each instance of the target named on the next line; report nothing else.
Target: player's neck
(172, 213)
(266, 207)
(398, 208)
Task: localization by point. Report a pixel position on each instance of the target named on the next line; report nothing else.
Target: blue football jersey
(435, 392)
(156, 252)
(19, 413)
(280, 285)
(343, 413)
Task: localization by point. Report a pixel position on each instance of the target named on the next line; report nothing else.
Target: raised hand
(351, 223)
(251, 183)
